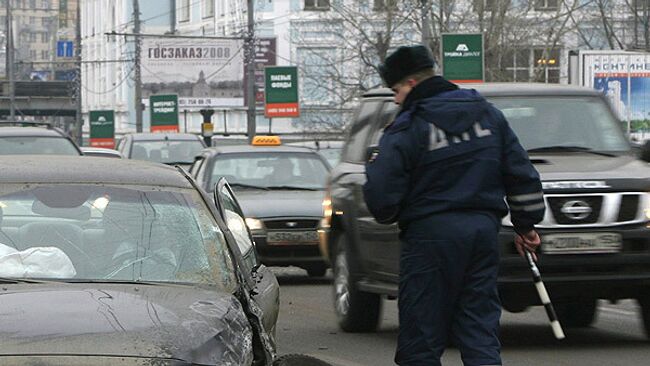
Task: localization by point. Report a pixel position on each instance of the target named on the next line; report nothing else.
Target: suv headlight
(254, 224)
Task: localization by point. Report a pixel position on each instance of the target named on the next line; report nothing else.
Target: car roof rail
(26, 123)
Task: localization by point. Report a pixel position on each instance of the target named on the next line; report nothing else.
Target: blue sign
(64, 49)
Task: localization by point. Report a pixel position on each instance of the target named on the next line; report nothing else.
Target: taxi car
(281, 190)
(20, 138)
(118, 262)
(166, 148)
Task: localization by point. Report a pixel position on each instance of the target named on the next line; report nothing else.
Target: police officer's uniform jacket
(449, 150)
(442, 171)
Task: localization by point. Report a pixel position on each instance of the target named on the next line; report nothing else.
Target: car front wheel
(357, 311)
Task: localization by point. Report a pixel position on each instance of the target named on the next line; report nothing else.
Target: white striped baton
(543, 296)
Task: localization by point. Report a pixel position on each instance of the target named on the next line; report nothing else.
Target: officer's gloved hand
(529, 241)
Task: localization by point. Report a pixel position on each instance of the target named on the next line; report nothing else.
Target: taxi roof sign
(266, 141)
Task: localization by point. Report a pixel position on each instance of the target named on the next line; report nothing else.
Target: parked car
(35, 138)
(281, 190)
(330, 149)
(166, 148)
(595, 237)
(123, 262)
(101, 152)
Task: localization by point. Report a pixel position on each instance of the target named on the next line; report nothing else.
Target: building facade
(337, 44)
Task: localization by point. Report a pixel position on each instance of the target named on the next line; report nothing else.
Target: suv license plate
(292, 237)
(581, 243)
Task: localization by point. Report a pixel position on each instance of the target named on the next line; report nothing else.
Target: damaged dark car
(117, 262)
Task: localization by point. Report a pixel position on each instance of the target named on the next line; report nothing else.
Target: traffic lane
(307, 325)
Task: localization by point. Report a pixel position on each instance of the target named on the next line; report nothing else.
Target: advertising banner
(265, 55)
(164, 113)
(462, 58)
(102, 129)
(281, 92)
(209, 69)
(624, 77)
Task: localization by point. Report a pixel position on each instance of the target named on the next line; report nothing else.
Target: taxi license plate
(292, 237)
(581, 243)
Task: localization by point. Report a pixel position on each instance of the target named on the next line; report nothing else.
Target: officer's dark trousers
(448, 290)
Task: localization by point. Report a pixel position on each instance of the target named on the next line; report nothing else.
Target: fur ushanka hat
(405, 61)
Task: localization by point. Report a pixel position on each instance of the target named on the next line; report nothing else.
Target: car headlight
(254, 224)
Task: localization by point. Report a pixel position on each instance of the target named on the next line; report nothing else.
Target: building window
(32, 54)
(382, 5)
(546, 5)
(45, 22)
(45, 4)
(32, 4)
(208, 8)
(184, 11)
(45, 54)
(641, 5)
(32, 37)
(547, 65)
(317, 4)
(45, 37)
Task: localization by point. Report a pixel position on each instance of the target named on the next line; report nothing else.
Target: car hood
(281, 203)
(142, 321)
(612, 173)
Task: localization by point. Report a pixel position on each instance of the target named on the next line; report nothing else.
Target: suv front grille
(288, 224)
(629, 208)
(596, 210)
(576, 209)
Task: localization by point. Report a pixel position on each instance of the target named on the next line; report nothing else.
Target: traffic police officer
(442, 170)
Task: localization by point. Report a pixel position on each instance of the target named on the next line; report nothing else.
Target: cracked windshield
(104, 233)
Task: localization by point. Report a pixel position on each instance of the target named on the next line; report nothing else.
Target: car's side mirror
(645, 152)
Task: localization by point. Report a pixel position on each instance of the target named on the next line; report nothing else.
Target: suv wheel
(357, 311)
(645, 314)
(576, 313)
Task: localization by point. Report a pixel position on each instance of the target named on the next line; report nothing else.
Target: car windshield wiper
(293, 188)
(178, 162)
(128, 282)
(23, 280)
(570, 149)
(244, 185)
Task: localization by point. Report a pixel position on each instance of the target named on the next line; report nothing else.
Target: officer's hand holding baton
(526, 245)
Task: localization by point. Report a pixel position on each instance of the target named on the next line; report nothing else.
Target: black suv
(35, 138)
(595, 235)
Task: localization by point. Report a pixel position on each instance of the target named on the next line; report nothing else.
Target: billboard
(624, 77)
(265, 55)
(194, 68)
(281, 92)
(102, 129)
(462, 58)
(164, 112)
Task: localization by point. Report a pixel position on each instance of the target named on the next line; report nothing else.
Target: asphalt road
(307, 325)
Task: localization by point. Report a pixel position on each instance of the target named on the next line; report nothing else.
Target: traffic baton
(543, 296)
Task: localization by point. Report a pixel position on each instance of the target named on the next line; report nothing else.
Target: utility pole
(426, 24)
(250, 72)
(138, 75)
(10, 62)
(78, 116)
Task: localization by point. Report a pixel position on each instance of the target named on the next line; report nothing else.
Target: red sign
(169, 128)
(108, 143)
(282, 110)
